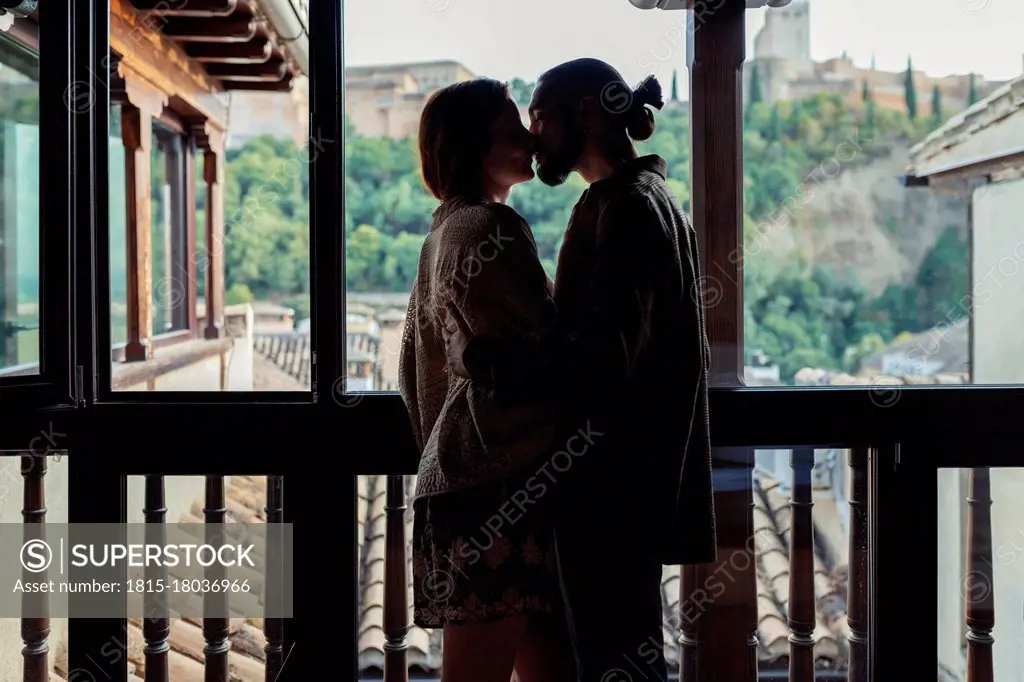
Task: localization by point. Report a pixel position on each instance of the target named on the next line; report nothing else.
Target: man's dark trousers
(608, 569)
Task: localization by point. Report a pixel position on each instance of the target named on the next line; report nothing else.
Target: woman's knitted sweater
(482, 258)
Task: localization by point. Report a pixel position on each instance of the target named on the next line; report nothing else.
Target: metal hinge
(312, 371)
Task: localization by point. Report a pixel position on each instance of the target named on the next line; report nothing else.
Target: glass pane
(879, 240)
(118, 233)
(13, 470)
(212, 291)
(19, 208)
(387, 206)
(167, 170)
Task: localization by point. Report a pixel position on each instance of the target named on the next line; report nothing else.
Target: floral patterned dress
(476, 561)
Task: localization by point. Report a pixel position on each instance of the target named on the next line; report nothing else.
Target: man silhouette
(627, 362)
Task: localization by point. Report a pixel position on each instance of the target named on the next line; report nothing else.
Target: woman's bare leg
(545, 651)
(482, 652)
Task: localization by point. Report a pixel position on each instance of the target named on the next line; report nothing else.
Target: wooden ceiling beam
(256, 51)
(192, 8)
(228, 30)
(268, 71)
(283, 85)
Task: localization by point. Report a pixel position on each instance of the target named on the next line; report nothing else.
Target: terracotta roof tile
(772, 518)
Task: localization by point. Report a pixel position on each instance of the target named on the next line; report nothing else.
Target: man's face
(559, 140)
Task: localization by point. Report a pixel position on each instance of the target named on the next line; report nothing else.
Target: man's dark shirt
(630, 349)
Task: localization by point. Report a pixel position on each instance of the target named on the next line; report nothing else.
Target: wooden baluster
(300, 356)
(802, 618)
(978, 586)
(724, 611)
(215, 604)
(857, 613)
(35, 630)
(273, 627)
(396, 583)
(156, 627)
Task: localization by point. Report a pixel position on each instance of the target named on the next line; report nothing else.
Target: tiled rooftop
(771, 521)
(991, 126)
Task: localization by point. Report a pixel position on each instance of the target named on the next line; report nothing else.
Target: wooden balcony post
(396, 583)
(215, 604)
(857, 612)
(978, 587)
(715, 53)
(273, 627)
(718, 601)
(211, 140)
(156, 627)
(802, 612)
(35, 630)
(141, 102)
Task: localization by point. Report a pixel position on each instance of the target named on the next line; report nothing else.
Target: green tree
(936, 106)
(972, 90)
(521, 90)
(865, 93)
(675, 86)
(238, 293)
(754, 93)
(910, 92)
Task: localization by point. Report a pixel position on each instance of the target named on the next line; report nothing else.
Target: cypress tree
(910, 94)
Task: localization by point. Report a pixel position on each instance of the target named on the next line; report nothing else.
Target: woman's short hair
(455, 134)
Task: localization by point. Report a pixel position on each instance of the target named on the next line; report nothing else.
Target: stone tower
(786, 34)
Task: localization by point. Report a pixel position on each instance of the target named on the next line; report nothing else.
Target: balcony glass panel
(882, 172)
(436, 43)
(19, 208)
(209, 207)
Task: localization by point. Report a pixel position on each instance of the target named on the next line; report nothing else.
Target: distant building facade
(782, 58)
(255, 113)
(385, 100)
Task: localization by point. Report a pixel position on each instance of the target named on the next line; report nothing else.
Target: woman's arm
(493, 278)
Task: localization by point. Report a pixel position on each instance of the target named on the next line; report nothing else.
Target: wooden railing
(724, 637)
(292, 352)
(156, 629)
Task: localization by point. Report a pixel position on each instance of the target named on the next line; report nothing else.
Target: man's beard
(560, 162)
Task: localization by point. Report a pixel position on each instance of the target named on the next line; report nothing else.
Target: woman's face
(509, 161)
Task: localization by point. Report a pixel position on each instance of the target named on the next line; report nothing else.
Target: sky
(521, 38)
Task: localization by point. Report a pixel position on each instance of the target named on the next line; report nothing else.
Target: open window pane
(209, 198)
(882, 179)
(19, 208)
(435, 44)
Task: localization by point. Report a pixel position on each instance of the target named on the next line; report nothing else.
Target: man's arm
(596, 357)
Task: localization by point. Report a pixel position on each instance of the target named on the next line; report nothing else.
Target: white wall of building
(998, 283)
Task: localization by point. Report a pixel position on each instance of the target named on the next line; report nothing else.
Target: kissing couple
(563, 426)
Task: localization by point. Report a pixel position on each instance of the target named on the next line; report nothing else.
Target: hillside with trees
(809, 302)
